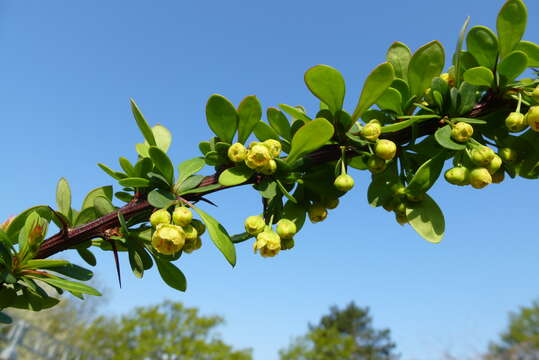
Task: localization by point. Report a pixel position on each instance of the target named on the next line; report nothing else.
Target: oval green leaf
(399, 56)
(480, 76)
(513, 65)
(222, 117)
(511, 25)
(134, 182)
(310, 137)
(531, 50)
(482, 43)
(427, 219)
(376, 84)
(426, 63)
(235, 175)
(250, 113)
(427, 174)
(63, 197)
(327, 84)
(279, 122)
(142, 124)
(163, 163)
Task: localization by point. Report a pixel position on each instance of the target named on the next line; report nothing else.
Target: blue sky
(68, 68)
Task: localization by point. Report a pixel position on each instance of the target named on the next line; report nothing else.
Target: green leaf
(163, 137)
(469, 121)
(399, 56)
(427, 219)
(310, 137)
(295, 112)
(63, 197)
(443, 137)
(73, 271)
(264, 132)
(134, 182)
(427, 174)
(171, 275)
(18, 223)
(190, 183)
(250, 113)
(189, 167)
(426, 63)
(163, 163)
(68, 285)
(219, 236)
(85, 216)
(295, 212)
(222, 117)
(105, 191)
(406, 123)
(458, 52)
(480, 76)
(482, 43)
(127, 166)
(202, 189)
(139, 260)
(531, 50)
(238, 238)
(511, 25)
(376, 84)
(87, 256)
(103, 206)
(279, 123)
(391, 99)
(114, 174)
(142, 124)
(43, 263)
(513, 65)
(235, 175)
(285, 192)
(161, 199)
(327, 84)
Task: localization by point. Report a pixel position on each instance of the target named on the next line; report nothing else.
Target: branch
(95, 229)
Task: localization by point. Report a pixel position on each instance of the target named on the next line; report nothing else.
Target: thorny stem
(64, 240)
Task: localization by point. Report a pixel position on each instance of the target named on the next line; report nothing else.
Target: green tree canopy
(342, 334)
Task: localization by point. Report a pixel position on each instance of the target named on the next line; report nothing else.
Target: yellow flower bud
(344, 182)
(376, 165)
(461, 132)
(535, 94)
(161, 216)
(273, 146)
(459, 175)
(182, 216)
(255, 224)
(480, 177)
(168, 239)
(498, 176)
(401, 218)
(270, 168)
(494, 164)
(533, 118)
(192, 245)
(237, 152)
(286, 229)
(482, 155)
(317, 213)
(516, 122)
(199, 225)
(372, 130)
(385, 149)
(268, 243)
(190, 231)
(257, 157)
(330, 203)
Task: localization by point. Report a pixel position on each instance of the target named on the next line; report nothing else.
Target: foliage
(480, 115)
(521, 338)
(165, 331)
(342, 334)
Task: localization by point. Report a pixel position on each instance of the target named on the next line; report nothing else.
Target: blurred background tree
(342, 334)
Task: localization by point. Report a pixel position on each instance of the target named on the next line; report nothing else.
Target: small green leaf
(134, 182)
(235, 175)
(171, 275)
(163, 137)
(114, 174)
(458, 52)
(161, 199)
(87, 256)
(327, 84)
(142, 124)
(469, 121)
(279, 123)
(426, 63)
(427, 174)
(163, 163)
(399, 56)
(103, 206)
(427, 219)
(249, 113)
(190, 183)
(105, 191)
(406, 123)
(222, 117)
(511, 25)
(285, 192)
(73, 271)
(376, 84)
(219, 236)
(189, 167)
(63, 197)
(294, 212)
(480, 76)
(264, 132)
(310, 137)
(391, 99)
(482, 43)
(202, 189)
(531, 50)
(127, 166)
(443, 137)
(513, 65)
(238, 238)
(85, 216)
(68, 285)
(43, 263)
(295, 112)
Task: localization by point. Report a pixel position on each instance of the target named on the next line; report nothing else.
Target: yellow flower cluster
(268, 242)
(260, 155)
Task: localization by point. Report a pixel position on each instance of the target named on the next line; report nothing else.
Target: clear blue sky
(68, 68)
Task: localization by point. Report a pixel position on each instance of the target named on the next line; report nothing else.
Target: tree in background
(342, 334)
(520, 341)
(165, 331)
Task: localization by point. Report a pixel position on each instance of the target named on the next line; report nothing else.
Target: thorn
(208, 201)
(116, 260)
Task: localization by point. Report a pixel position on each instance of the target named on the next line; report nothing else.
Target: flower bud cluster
(260, 156)
(269, 242)
(486, 168)
(176, 232)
